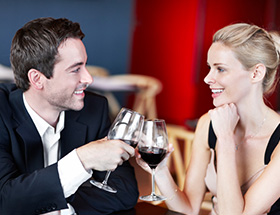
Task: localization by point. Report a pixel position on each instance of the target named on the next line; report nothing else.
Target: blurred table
(144, 89)
(144, 208)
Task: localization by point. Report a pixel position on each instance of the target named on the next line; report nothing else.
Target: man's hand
(104, 154)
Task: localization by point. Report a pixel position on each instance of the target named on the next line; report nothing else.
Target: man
(52, 131)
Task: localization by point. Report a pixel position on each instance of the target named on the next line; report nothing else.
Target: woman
(235, 153)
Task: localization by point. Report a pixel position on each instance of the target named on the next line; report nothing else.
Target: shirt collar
(40, 123)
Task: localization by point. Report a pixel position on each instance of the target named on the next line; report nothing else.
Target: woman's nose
(209, 79)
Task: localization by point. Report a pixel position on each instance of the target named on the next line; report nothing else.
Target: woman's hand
(224, 119)
(161, 165)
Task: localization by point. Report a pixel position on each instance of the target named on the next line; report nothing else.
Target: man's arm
(31, 193)
(89, 199)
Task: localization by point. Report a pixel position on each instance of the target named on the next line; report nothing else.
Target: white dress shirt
(70, 169)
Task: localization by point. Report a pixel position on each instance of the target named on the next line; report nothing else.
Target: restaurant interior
(149, 56)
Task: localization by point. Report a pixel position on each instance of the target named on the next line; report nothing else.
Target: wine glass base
(103, 186)
(152, 198)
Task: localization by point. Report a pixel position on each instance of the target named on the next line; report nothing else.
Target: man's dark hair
(35, 46)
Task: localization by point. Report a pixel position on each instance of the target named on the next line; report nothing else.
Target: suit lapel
(29, 136)
(73, 134)
(33, 149)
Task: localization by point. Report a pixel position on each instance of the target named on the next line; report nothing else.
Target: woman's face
(227, 79)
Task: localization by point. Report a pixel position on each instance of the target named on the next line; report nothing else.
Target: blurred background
(164, 39)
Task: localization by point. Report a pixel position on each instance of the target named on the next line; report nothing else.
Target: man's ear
(258, 72)
(36, 78)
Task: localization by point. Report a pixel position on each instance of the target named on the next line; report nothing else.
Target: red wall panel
(170, 42)
(163, 44)
(219, 14)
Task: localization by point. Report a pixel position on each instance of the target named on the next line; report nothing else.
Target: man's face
(65, 90)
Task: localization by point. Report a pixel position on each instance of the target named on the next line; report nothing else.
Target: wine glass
(127, 127)
(153, 147)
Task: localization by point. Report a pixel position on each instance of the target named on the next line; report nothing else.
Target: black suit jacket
(28, 188)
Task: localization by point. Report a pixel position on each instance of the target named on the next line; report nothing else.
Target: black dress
(273, 142)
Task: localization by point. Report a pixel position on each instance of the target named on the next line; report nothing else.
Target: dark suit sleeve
(89, 199)
(26, 193)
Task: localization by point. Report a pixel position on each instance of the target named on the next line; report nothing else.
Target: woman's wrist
(162, 171)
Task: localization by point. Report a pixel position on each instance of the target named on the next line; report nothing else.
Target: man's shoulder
(94, 97)
(7, 88)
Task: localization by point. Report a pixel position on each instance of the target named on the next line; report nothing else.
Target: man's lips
(77, 92)
(80, 90)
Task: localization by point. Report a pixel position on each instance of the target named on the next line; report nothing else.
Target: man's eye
(76, 70)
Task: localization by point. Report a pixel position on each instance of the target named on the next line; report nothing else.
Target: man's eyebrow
(75, 65)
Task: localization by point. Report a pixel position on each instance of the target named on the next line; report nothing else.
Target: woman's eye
(220, 69)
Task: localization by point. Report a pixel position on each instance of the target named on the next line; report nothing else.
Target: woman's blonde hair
(252, 45)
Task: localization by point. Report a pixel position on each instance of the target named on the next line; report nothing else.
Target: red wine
(152, 155)
(132, 143)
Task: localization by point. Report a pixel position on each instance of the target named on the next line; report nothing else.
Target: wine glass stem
(153, 182)
(106, 177)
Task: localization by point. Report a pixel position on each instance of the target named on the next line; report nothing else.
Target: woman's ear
(36, 79)
(258, 72)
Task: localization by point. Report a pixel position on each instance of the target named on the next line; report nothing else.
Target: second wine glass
(127, 127)
(153, 148)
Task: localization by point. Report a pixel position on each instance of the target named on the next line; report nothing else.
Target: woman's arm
(189, 200)
(229, 194)
(265, 191)
(195, 187)
(230, 199)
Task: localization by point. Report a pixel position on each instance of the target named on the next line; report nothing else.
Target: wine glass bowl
(153, 147)
(127, 127)
(152, 155)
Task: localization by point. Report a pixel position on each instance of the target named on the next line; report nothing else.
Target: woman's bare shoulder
(201, 131)
(203, 122)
